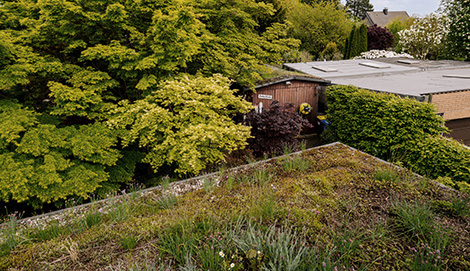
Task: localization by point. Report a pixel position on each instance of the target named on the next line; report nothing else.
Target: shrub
(379, 38)
(397, 129)
(275, 127)
(437, 156)
(375, 123)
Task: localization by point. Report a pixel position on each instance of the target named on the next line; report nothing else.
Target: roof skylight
(375, 65)
(461, 76)
(324, 69)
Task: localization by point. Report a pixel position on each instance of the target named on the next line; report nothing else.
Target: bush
(398, 129)
(437, 156)
(378, 38)
(376, 122)
(274, 128)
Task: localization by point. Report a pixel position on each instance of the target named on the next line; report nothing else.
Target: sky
(419, 7)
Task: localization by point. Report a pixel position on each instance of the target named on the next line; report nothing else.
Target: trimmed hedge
(396, 129)
(437, 156)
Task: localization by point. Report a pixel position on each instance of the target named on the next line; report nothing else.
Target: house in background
(444, 83)
(382, 18)
(289, 88)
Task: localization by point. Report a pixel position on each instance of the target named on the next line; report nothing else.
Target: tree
(396, 25)
(358, 8)
(424, 36)
(378, 38)
(357, 42)
(458, 14)
(317, 25)
(185, 123)
(71, 70)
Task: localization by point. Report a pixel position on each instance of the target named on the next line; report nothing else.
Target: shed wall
(454, 105)
(297, 92)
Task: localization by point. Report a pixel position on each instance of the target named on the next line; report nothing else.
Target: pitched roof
(381, 18)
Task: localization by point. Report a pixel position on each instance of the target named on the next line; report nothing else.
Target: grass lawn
(329, 208)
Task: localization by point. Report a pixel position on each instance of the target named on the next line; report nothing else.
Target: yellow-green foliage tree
(69, 68)
(186, 123)
(318, 24)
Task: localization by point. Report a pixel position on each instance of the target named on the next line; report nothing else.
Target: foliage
(424, 36)
(186, 123)
(331, 52)
(40, 161)
(379, 38)
(396, 25)
(458, 14)
(400, 129)
(437, 156)
(357, 42)
(358, 8)
(379, 123)
(318, 24)
(274, 128)
(67, 68)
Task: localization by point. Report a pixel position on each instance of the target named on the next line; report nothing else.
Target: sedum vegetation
(323, 209)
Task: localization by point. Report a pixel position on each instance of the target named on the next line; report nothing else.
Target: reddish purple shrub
(274, 128)
(379, 38)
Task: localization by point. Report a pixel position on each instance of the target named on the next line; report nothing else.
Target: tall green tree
(357, 42)
(458, 13)
(318, 24)
(358, 8)
(72, 70)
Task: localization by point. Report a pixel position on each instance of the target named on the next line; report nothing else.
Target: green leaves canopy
(318, 24)
(72, 70)
(185, 123)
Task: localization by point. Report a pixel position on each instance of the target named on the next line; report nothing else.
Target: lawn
(328, 208)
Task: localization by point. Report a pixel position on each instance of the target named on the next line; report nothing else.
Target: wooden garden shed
(295, 89)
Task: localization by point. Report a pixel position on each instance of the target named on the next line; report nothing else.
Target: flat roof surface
(413, 83)
(346, 68)
(389, 75)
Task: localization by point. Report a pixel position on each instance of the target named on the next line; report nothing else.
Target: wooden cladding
(296, 92)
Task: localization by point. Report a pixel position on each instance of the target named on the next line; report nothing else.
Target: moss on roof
(331, 206)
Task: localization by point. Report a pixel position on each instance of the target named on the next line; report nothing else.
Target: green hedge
(437, 156)
(396, 129)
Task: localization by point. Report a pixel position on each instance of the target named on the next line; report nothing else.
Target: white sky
(419, 7)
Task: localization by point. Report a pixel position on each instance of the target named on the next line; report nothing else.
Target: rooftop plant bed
(328, 208)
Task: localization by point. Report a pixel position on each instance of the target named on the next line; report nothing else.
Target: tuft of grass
(418, 220)
(272, 249)
(461, 206)
(49, 232)
(387, 176)
(178, 242)
(209, 184)
(294, 163)
(128, 241)
(10, 233)
(264, 208)
(261, 176)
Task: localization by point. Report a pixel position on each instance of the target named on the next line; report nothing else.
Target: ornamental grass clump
(11, 234)
(294, 163)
